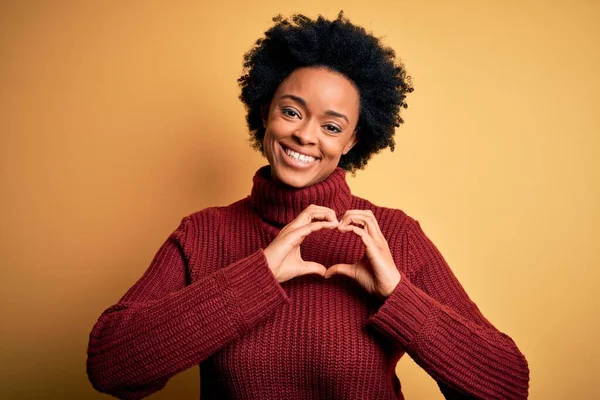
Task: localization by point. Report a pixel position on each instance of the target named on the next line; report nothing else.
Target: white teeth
(298, 156)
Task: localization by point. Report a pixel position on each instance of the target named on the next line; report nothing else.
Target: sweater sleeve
(163, 325)
(431, 316)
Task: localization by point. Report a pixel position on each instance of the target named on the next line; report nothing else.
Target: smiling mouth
(298, 156)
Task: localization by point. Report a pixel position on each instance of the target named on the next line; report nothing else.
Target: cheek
(332, 148)
(278, 128)
(271, 132)
(269, 144)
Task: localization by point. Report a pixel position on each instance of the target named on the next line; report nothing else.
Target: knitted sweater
(209, 298)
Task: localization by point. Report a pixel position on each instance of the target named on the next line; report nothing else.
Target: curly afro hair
(339, 46)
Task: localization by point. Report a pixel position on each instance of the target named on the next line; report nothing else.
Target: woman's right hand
(283, 254)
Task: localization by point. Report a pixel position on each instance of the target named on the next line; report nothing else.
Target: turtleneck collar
(280, 204)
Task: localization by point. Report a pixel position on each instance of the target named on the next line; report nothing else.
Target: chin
(295, 179)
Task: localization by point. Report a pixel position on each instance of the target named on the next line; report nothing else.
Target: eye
(290, 112)
(332, 128)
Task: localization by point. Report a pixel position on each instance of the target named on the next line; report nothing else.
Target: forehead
(321, 89)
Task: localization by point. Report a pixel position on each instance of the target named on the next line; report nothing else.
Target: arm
(163, 326)
(430, 315)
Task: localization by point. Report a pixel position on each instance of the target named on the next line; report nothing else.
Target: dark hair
(339, 46)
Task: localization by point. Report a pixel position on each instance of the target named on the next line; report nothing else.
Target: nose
(306, 133)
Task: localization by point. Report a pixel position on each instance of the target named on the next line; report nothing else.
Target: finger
(368, 241)
(360, 217)
(348, 270)
(353, 219)
(312, 213)
(320, 212)
(367, 220)
(307, 218)
(310, 267)
(317, 226)
(297, 235)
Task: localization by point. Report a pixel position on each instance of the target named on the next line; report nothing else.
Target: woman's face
(311, 123)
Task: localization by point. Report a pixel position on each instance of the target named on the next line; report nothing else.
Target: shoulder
(211, 220)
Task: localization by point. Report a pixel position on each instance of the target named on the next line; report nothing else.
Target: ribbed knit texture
(209, 298)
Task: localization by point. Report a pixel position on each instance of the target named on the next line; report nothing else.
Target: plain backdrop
(118, 118)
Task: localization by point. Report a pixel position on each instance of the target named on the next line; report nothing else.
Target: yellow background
(118, 118)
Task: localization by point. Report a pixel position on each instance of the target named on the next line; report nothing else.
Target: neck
(280, 204)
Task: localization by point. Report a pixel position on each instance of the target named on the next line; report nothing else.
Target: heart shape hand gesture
(376, 272)
(283, 254)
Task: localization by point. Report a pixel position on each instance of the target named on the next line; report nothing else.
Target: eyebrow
(303, 102)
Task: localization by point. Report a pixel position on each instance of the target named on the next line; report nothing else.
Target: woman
(302, 290)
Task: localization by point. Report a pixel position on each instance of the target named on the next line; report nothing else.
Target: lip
(292, 161)
(297, 150)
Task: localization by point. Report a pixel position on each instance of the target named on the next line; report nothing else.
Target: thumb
(348, 270)
(310, 267)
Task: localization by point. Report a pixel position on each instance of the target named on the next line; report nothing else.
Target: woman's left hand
(376, 272)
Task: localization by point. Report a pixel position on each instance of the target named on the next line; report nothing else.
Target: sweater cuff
(252, 293)
(403, 314)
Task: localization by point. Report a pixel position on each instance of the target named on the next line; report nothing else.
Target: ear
(264, 111)
(351, 142)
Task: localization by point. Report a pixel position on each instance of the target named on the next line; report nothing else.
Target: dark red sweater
(209, 298)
